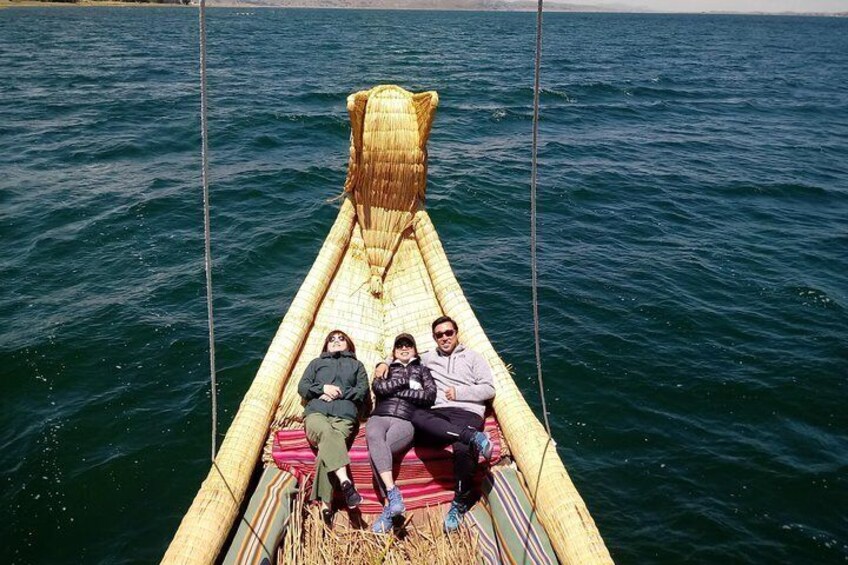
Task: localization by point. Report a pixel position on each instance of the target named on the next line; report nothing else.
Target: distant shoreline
(551, 7)
(83, 4)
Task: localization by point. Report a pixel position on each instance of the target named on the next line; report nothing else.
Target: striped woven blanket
(425, 474)
(507, 523)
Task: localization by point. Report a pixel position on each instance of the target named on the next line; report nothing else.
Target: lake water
(693, 254)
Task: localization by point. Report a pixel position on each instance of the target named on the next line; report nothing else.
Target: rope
(533, 267)
(204, 176)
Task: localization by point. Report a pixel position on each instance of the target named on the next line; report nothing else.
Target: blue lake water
(693, 255)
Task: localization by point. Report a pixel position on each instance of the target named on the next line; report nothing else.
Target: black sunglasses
(446, 333)
(337, 337)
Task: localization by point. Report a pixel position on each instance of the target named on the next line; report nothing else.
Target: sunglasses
(404, 345)
(446, 333)
(337, 337)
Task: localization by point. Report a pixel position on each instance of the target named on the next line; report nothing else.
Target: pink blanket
(425, 475)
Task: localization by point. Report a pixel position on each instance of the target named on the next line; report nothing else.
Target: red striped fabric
(425, 475)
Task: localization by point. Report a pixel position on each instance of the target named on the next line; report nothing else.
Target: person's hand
(332, 391)
(382, 371)
(450, 393)
(326, 398)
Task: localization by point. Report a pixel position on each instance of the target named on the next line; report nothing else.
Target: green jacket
(341, 369)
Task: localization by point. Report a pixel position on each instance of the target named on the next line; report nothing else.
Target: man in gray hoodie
(464, 384)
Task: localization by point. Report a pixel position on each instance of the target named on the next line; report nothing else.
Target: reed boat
(381, 271)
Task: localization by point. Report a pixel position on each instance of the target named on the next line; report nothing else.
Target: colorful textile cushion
(425, 475)
(264, 522)
(509, 531)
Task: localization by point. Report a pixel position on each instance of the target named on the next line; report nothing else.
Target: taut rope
(533, 268)
(204, 175)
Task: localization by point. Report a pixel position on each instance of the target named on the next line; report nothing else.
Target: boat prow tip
(387, 171)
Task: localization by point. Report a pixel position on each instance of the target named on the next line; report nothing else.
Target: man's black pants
(440, 426)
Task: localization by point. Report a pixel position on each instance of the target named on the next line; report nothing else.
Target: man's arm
(382, 369)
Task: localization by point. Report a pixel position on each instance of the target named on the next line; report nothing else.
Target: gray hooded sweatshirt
(467, 372)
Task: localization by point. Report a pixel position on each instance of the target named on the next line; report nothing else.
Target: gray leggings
(387, 436)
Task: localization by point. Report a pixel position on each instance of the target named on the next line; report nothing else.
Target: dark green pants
(329, 434)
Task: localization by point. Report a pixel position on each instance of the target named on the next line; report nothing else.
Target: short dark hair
(441, 320)
(350, 346)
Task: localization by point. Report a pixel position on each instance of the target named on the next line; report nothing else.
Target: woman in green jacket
(333, 386)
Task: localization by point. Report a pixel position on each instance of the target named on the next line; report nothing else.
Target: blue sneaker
(383, 525)
(483, 443)
(455, 516)
(395, 503)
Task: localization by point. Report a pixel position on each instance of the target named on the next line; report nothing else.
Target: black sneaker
(327, 517)
(352, 498)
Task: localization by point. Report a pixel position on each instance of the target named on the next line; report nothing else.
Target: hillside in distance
(495, 5)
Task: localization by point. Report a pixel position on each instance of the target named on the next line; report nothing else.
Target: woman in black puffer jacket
(407, 386)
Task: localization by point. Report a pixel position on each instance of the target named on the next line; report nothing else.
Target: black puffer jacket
(395, 397)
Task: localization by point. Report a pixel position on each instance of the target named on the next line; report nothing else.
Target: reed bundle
(420, 540)
(387, 173)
